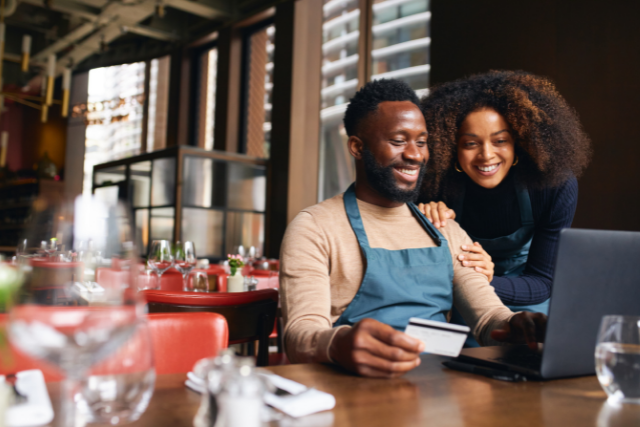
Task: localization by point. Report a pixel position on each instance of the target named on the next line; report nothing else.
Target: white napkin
(37, 409)
(301, 402)
(299, 405)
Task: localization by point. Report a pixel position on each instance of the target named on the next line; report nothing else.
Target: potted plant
(235, 281)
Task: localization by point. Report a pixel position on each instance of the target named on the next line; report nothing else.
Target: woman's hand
(477, 258)
(523, 328)
(437, 213)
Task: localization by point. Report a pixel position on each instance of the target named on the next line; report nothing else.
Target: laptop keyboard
(522, 357)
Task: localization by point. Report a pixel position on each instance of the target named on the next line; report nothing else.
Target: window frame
(245, 35)
(195, 56)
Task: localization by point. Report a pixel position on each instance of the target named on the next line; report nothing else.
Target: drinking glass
(60, 317)
(198, 281)
(160, 257)
(185, 260)
(118, 389)
(23, 248)
(52, 247)
(618, 358)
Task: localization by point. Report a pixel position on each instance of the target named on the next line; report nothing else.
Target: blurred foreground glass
(618, 358)
(60, 315)
(118, 390)
(185, 260)
(160, 257)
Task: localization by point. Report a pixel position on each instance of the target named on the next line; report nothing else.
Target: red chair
(221, 282)
(216, 269)
(110, 278)
(266, 279)
(181, 339)
(250, 315)
(171, 280)
(218, 274)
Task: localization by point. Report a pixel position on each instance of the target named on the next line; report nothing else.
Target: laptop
(597, 273)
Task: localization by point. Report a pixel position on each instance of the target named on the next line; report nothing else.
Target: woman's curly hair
(549, 139)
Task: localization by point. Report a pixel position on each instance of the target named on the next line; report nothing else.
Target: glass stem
(184, 281)
(68, 414)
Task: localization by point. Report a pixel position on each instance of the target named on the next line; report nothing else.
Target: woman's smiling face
(485, 147)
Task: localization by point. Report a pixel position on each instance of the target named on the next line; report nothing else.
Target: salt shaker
(213, 371)
(241, 397)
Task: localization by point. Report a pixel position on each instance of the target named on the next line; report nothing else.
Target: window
(207, 98)
(114, 114)
(340, 41)
(158, 103)
(396, 45)
(258, 50)
(401, 42)
(223, 205)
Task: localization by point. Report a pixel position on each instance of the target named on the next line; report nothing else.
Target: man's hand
(523, 328)
(478, 259)
(437, 213)
(373, 349)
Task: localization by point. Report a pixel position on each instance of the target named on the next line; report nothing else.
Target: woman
(505, 150)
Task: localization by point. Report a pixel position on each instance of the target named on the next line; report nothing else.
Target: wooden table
(430, 395)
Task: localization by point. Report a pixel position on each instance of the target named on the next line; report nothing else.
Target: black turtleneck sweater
(491, 213)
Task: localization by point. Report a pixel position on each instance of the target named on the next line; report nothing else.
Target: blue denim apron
(508, 253)
(400, 284)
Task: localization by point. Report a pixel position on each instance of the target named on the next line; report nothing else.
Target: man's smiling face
(395, 151)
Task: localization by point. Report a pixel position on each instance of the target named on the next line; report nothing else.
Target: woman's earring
(516, 162)
(457, 167)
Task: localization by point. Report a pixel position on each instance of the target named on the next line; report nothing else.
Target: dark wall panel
(591, 50)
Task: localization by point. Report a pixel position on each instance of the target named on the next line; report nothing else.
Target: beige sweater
(322, 269)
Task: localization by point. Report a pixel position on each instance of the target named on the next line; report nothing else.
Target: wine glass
(118, 389)
(185, 260)
(160, 257)
(52, 247)
(57, 315)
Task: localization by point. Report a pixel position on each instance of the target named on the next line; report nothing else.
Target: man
(356, 267)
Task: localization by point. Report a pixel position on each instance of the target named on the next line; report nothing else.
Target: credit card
(440, 338)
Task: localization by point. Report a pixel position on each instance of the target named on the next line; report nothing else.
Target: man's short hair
(366, 100)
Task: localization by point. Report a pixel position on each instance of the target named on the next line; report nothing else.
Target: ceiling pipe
(153, 33)
(71, 7)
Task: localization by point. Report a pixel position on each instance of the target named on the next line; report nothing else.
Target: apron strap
(426, 224)
(353, 213)
(524, 202)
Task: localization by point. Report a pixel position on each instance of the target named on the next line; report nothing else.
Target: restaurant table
(430, 395)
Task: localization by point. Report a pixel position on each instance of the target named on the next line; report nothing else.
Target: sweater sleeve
(472, 296)
(305, 291)
(556, 208)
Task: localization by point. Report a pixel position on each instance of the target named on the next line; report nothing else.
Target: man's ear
(356, 146)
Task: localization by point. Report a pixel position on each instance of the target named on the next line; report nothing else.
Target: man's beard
(382, 180)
